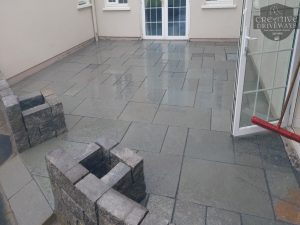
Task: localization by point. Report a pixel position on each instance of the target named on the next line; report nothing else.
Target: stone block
(3, 84)
(76, 173)
(55, 104)
(12, 107)
(59, 124)
(114, 208)
(47, 92)
(6, 92)
(37, 115)
(17, 124)
(137, 191)
(119, 177)
(21, 140)
(130, 158)
(153, 219)
(31, 100)
(88, 191)
(91, 156)
(34, 136)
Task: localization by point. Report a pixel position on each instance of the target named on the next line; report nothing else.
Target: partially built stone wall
(32, 118)
(103, 185)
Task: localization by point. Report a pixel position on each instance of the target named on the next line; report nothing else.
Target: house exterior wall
(204, 23)
(35, 31)
(214, 23)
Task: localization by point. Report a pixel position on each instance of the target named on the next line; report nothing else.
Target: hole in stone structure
(97, 164)
(31, 100)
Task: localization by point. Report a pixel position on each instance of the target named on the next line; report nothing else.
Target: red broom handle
(286, 102)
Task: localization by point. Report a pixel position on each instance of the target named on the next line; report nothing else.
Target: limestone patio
(170, 101)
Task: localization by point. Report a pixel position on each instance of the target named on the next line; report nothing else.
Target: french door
(264, 69)
(165, 19)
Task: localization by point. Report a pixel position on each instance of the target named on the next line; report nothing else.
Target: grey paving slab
(220, 74)
(13, 176)
(71, 121)
(34, 158)
(72, 67)
(179, 98)
(161, 173)
(163, 83)
(222, 217)
(199, 73)
(137, 111)
(175, 140)
(282, 185)
(110, 109)
(189, 213)
(221, 120)
(30, 206)
(253, 220)
(35, 85)
(183, 116)
(210, 145)
(247, 152)
(225, 186)
(45, 186)
(145, 137)
(70, 103)
(89, 129)
(205, 85)
(161, 206)
(149, 95)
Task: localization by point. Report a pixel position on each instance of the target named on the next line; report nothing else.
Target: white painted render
(35, 31)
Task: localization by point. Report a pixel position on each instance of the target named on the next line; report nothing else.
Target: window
(219, 4)
(117, 2)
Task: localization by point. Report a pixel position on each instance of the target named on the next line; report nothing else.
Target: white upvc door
(263, 73)
(165, 19)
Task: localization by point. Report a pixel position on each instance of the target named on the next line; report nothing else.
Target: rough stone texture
(32, 118)
(96, 187)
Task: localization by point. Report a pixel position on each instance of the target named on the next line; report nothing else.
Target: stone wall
(103, 185)
(32, 118)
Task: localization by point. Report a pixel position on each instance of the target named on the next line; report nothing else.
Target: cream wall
(204, 23)
(214, 23)
(33, 31)
(122, 23)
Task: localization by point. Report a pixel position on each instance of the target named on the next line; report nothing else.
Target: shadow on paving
(6, 149)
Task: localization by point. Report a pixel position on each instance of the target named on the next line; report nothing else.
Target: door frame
(164, 35)
(239, 83)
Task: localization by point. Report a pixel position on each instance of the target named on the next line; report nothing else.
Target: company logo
(276, 21)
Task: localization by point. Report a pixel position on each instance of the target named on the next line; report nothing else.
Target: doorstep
(26, 199)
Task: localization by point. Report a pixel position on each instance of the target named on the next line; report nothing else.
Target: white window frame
(116, 5)
(219, 4)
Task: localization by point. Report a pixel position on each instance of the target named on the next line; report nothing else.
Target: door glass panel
(153, 17)
(176, 17)
(266, 72)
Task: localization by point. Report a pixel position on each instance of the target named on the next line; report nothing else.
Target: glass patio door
(165, 19)
(264, 66)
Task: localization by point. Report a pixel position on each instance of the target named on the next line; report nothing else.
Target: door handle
(251, 38)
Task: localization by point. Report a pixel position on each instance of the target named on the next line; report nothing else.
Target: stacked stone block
(33, 118)
(103, 185)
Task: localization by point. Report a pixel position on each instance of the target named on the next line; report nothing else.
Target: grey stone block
(3, 84)
(88, 191)
(76, 173)
(6, 92)
(34, 136)
(59, 124)
(55, 104)
(137, 191)
(114, 208)
(17, 124)
(153, 219)
(130, 158)
(119, 177)
(21, 140)
(12, 107)
(31, 100)
(92, 157)
(46, 92)
(47, 127)
(37, 115)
